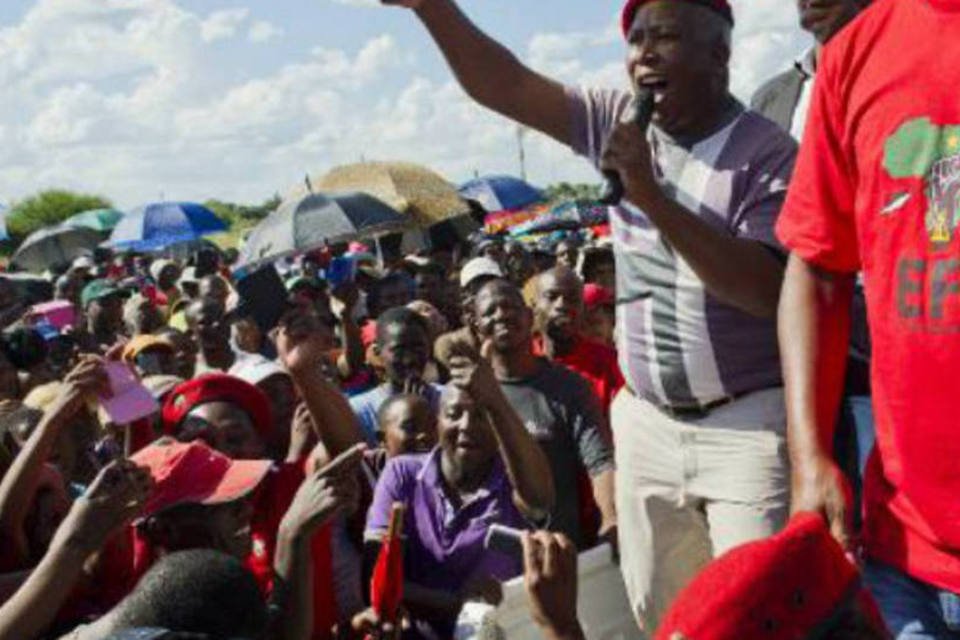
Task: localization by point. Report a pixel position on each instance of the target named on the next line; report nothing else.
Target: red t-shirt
(597, 363)
(877, 187)
(270, 504)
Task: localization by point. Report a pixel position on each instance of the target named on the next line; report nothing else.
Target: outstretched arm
(490, 73)
(19, 485)
(116, 496)
(300, 343)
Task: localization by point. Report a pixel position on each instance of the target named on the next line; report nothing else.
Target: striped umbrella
(155, 226)
(501, 193)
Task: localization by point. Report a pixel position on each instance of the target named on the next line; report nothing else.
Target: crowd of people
(701, 391)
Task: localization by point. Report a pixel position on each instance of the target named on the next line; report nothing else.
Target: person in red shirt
(559, 313)
(876, 188)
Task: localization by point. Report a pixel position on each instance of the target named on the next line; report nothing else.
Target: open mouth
(656, 83)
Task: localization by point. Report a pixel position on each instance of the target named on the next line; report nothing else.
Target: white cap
(157, 267)
(188, 275)
(255, 369)
(479, 268)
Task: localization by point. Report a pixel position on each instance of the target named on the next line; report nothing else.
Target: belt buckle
(686, 413)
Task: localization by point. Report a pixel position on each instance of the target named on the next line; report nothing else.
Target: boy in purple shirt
(487, 469)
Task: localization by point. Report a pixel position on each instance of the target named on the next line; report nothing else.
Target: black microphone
(640, 113)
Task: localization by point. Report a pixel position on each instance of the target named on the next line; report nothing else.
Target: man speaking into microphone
(699, 430)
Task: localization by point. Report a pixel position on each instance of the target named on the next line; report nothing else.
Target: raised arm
(330, 491)
(116, 496)
(490, 73)
(300, 343)
(20, 482)
(814, 328)
(527, 465)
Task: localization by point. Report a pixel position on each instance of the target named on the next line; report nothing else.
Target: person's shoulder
(760, 132)
(406, 466)
(773, 87)
(598, 350)
(846, 51)
(371, 398)
(562, 378)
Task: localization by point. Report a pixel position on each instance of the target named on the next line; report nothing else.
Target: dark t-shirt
(560, 410)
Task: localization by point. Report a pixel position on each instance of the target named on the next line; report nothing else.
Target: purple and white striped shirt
(679, 346)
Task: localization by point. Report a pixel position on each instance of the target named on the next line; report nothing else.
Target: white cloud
(358, 3)
(132, 98)
(223, 24)
(263, 31)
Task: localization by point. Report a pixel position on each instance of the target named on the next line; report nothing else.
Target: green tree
(240, 214)
(49, 208)
(566, 191)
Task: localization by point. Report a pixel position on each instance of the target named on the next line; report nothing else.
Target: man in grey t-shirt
(699, 428)
(556, 405)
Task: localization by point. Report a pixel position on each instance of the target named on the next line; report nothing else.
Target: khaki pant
(689, 491)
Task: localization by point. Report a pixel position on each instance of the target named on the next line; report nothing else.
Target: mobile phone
(506, 540)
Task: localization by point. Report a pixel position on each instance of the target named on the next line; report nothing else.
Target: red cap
(596, 296)
(193, 473)
(216, 387)
(630, 9)
(781, 587)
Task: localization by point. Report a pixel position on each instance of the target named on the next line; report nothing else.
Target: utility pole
(521, 132)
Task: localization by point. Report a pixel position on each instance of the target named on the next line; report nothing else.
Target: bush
(49, 208)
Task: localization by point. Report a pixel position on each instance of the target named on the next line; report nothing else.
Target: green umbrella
(102, 220)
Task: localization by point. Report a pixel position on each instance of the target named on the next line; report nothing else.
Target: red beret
(630, 11)
(216, 387)
(781, 587)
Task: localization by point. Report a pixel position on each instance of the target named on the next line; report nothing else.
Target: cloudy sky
(236, 99)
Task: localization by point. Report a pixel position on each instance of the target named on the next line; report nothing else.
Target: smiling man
(699, 428)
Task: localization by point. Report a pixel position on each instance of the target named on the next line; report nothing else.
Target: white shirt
(806, 65)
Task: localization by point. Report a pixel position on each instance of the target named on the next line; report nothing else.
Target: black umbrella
(309, 222)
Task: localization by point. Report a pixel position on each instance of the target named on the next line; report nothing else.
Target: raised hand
(302, 341)
(115, 497)
(820, 486)
(87, 379)
(472, 372)
(344, 299)
(332, 490)
(550, 580)
(303, 434)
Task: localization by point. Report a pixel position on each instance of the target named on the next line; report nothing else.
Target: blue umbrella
(4, 235)
(499, 193)
(161, 224)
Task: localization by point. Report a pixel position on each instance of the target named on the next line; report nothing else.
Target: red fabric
(597, 363)
(217, 387)
(781, 587)
(270, 505)
(874, 188)
(194, 473)
(632, 6)
(595, 295)
(368, 334)
(386, 586)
